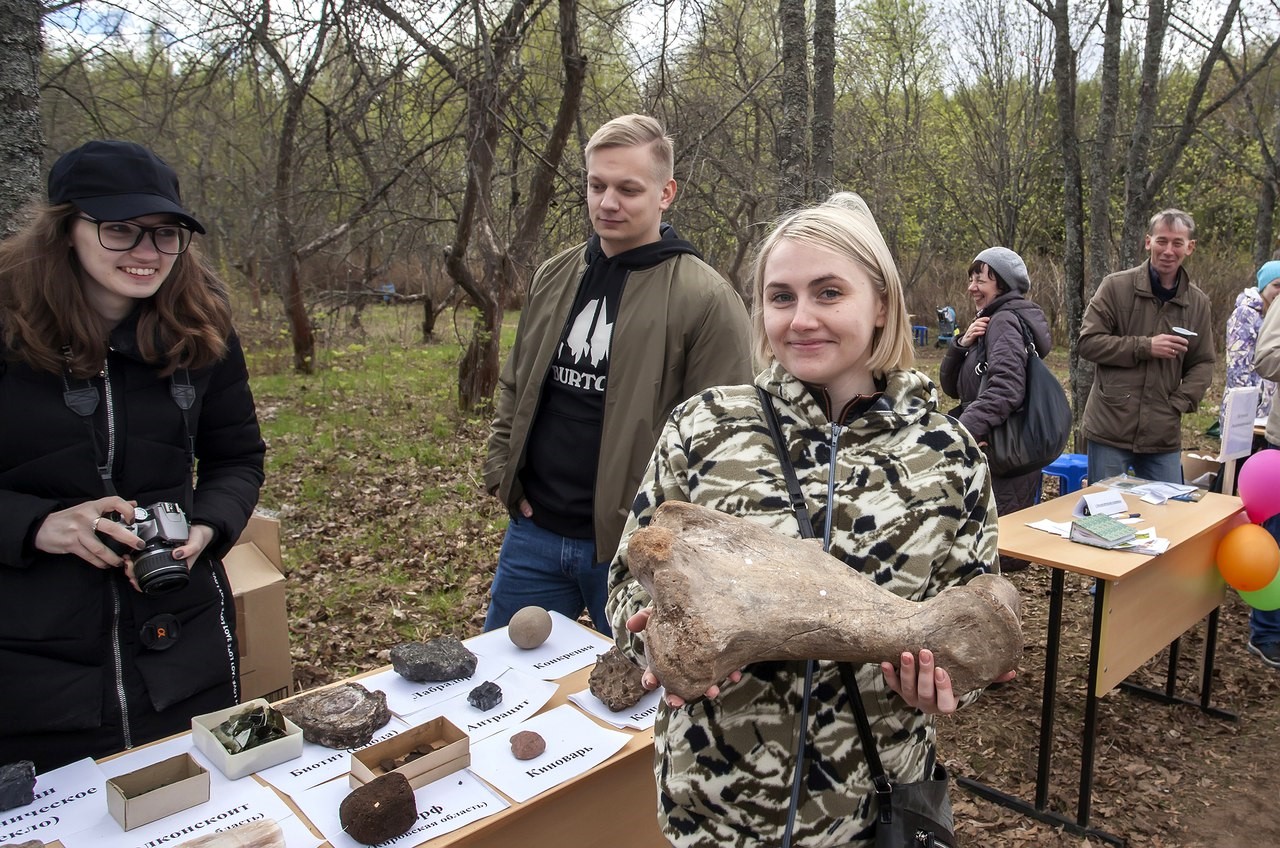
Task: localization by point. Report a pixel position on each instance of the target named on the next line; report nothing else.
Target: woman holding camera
(124, 406)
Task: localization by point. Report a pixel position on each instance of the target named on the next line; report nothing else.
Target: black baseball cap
(117, 180)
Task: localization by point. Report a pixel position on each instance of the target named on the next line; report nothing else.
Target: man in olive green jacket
(613, 335)
(1150, 332)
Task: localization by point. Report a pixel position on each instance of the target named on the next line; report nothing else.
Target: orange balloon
(1248, 558)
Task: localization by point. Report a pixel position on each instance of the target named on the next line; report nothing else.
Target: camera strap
(82, 398)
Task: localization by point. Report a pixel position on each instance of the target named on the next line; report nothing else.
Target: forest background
(338, 147)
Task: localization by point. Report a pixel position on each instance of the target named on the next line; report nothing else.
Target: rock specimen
(616, 681)
(32, 843)
(382, 809)
(728, 592)
(343, 716)
(258, 834)
(250, 728)
(526, 745)
(443, 658)
(486, 696)
(529, 627)
(17, 784)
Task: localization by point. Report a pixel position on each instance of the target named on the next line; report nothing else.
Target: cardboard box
(450, 751)
(262, 623)
(1200, 470)
(140, 797)
(236, 766)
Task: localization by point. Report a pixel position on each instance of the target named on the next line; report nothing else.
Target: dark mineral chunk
(444, 658)
(251, 728)
(344, 716)
(526, 745)
(382, 809)
(486, 696)
(616, 681)
(17, 784)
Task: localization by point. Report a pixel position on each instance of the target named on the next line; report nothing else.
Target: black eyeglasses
(120, 236)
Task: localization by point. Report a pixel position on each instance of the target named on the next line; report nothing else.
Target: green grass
(377, 478)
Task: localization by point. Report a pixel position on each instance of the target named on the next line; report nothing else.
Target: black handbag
(1035, 433)
(908, 815)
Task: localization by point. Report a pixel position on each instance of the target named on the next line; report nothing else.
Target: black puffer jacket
(72, 656)
(1003, 349)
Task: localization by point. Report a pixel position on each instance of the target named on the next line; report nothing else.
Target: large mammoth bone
(727, 592)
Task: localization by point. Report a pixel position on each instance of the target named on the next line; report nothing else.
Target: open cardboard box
(236, 766)
(262, 625)
(450, 751)
(1198, 470)
(140, 797)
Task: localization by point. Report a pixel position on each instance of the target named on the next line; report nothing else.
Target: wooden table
(1142, 604)
(613, 804)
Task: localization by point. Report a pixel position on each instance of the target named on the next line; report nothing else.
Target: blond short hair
(843, 225)
(1172, 218)
(636, 131)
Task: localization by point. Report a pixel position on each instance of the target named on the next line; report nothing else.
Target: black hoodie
(563, 450)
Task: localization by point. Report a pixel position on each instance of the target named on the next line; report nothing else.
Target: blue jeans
(1106, 461)
(539, 568)
(1264, 625)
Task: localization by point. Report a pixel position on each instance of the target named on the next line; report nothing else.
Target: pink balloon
(1260, 485)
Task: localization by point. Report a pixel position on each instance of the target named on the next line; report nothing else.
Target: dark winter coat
(72, 656)
(1004, 351)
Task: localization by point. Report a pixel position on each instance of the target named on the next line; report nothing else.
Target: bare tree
(21, 134)
(488, 94)
(1064, 82)
(793, 165)
(824, 96)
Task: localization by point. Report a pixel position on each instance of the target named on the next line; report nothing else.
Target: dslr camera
(162, 526)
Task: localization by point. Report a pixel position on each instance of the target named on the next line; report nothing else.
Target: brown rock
(382, 809)
(529, 627)
(344, 716)
(526, 745)
(616, 680)
(728, 592)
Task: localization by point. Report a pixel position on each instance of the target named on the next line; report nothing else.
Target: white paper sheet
(1239, 417)
(1106, 502)
(66, 800)
(568, 648)
(1057, 528)
(575, 744)
(405, 697)
(522, 696)
(319, 764)
(443, 806)
(234, 802)
(641, 715)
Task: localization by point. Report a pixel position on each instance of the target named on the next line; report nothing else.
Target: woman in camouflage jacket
(900, 491)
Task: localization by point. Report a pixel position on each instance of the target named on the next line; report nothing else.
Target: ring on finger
(94, 525)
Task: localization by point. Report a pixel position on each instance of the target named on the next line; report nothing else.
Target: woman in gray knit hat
(993, 343)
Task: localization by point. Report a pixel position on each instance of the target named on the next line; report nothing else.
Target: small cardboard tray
(450, 751)
(236, 766)
(140, 797)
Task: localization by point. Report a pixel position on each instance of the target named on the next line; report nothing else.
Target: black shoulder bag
(908, 815)
(1035, 433)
